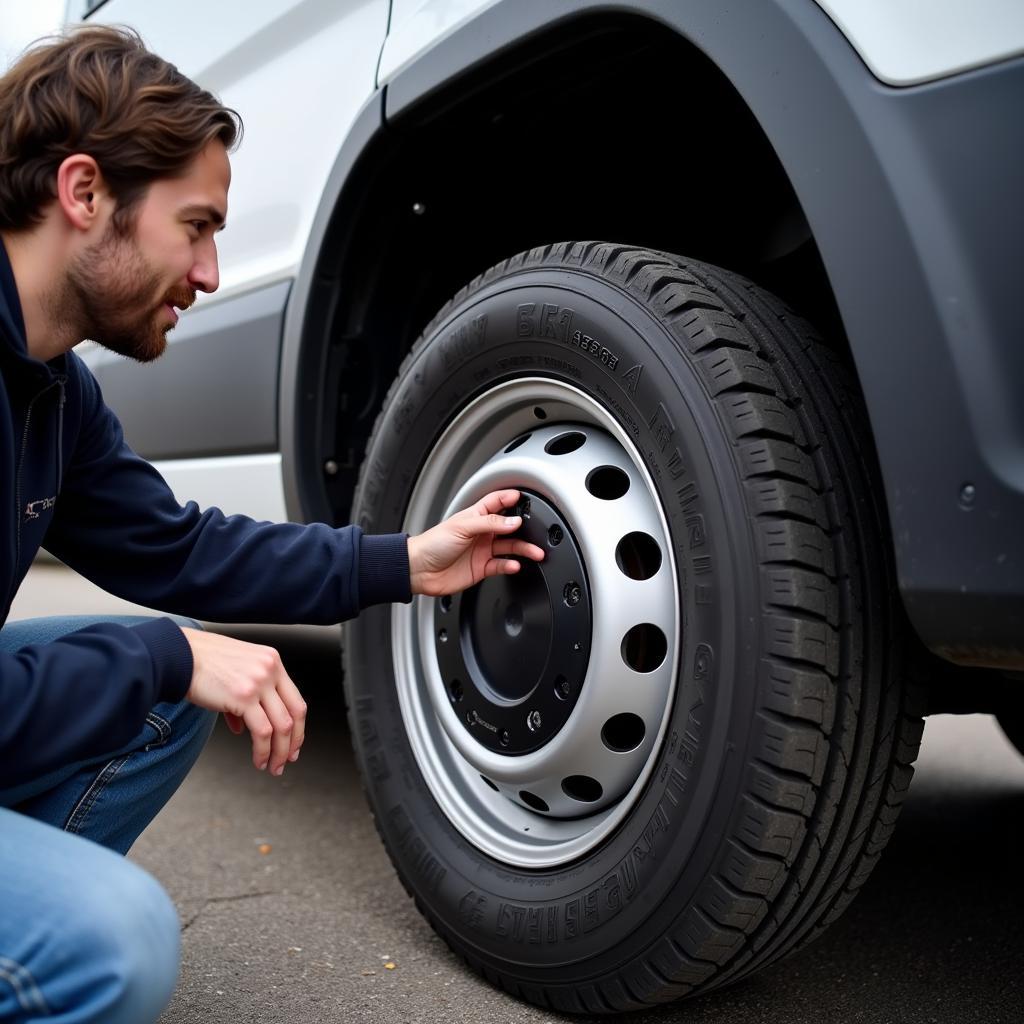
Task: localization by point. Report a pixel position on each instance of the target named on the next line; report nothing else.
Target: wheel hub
(513, 650)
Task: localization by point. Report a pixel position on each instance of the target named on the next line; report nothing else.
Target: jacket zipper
(61, 381)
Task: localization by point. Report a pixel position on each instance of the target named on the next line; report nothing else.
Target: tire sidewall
(573, 327)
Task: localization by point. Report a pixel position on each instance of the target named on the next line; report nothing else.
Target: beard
(114, 297)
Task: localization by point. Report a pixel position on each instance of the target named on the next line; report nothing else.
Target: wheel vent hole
(540, 413)
(644, 647)
(489, 783)
(446, 603)
(623, 732)
(582, 788)
(532, 800)
(517, 442)
(607, 483)
(638, 555)
(565, 443)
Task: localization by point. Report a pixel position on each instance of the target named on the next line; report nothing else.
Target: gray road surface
(291, 910)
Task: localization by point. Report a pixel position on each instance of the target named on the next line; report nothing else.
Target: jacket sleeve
(117, 522)
(85, 694)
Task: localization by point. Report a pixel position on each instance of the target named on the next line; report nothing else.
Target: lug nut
(533, 721)
(555, 535)
(572, 593)
(456, 689)
(562, 688)
(504, 737)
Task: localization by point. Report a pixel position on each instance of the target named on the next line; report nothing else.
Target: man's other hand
(248, 683)
(468, 547)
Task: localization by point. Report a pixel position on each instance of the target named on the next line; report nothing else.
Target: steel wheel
(536, 772)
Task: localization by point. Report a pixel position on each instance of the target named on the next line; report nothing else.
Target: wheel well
(607, 127)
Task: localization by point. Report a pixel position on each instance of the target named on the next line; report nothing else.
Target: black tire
(789, 738)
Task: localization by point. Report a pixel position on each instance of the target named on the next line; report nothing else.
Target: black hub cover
(513, 650)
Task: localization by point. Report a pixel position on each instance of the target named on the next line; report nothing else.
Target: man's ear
(80, 191)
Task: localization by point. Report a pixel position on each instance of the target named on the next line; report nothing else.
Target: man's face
(126, 287)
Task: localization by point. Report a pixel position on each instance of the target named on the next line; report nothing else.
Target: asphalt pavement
(291, 912)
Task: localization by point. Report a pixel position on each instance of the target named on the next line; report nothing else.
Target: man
(114, 177)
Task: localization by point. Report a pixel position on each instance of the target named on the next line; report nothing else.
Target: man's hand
(468, 547)
(249, 685)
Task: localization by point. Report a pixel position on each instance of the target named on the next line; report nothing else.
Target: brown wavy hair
(99, 91)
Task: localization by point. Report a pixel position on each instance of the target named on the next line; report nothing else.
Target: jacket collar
(13, 341)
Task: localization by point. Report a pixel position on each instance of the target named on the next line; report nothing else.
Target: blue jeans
(86, 935)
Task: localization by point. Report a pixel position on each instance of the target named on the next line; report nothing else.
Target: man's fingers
(248, 683)
(289, 694)
(522, 548)
(501, 567)
(262, 733)
(496, 501)
(474, 526)
(277, 724)
(282, 723)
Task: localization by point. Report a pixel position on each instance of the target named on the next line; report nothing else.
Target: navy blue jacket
(70, 483)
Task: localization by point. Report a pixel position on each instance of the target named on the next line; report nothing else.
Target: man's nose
(205, 274)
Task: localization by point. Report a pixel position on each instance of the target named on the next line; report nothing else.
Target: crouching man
(114, 177)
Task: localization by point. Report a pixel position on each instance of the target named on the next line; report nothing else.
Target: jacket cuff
(172, 658)
(384, 569)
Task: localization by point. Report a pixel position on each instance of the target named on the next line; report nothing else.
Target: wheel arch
(352, 316)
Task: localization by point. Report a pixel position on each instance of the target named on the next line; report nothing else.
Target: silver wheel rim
(470, 459)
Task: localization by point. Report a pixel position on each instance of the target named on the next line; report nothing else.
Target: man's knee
(130, 940)
(84, 934)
